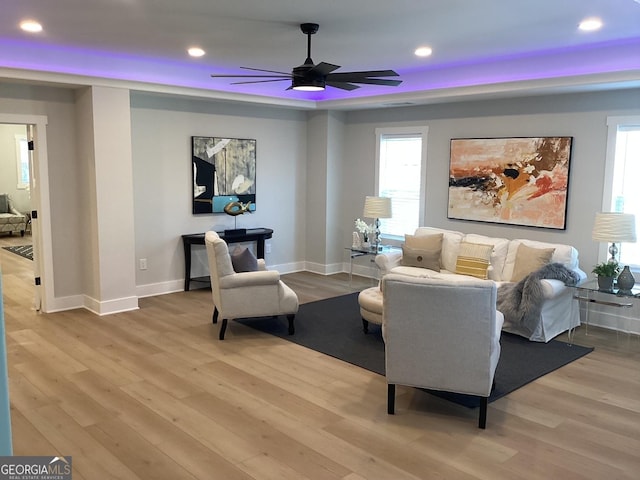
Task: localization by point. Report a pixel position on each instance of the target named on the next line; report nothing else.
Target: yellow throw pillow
(422, 251)
(473, 259)
(529, 259)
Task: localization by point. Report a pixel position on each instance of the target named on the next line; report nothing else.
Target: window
(22, 158)
(400, 166)
(621, 193)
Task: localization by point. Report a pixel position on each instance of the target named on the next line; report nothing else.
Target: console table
(258, 235)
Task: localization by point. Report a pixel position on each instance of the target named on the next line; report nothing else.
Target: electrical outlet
(267, 248)
(143, 264)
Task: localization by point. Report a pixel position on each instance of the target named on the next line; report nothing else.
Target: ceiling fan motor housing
(304, 78)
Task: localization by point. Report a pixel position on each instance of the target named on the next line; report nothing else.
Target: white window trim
(421, 130)
(612, 132)
(19, 138)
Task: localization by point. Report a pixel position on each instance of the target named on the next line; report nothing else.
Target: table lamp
(615, 227)
(377, 207)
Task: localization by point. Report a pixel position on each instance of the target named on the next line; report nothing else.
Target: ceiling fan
(310, 77)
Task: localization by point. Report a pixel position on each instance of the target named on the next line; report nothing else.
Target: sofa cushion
(498, 255)
(564, 254)
(529, 259)
(423, 258)
(450, 245)
(473, 259)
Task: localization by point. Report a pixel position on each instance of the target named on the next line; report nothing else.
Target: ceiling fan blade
(287, 76)
(348, 76)
(342, 85)
(323, 68)
(268, 71)
(260, 81)
(375, 81)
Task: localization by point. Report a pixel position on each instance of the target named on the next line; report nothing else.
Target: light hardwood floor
(153, 394)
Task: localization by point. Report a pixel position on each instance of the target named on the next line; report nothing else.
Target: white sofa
(560, 311)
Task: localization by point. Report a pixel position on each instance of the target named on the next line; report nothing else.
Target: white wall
(582, 116)
(161, 137)
(292, 187)
(58, 105)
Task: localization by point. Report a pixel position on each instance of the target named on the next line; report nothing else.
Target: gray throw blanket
(521, 303)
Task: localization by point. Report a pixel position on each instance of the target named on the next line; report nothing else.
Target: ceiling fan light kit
(310, 77)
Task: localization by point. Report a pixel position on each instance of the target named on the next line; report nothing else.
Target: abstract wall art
(518, 181)
(223, 171)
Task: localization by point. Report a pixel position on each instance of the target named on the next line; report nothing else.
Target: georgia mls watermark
(35, 468)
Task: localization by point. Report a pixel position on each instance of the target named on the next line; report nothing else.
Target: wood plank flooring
(153, 394)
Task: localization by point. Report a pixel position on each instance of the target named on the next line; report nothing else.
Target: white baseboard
(61, 304)
(109, 307)
(160, 288)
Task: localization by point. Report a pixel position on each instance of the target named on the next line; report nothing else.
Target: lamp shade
(377, 207)
(614, 227)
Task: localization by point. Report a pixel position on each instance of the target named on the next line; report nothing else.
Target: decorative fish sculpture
(237, 208)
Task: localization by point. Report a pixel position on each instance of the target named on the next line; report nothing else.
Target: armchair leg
(215, 315)
(365, 326)
(482, 421)
(391, 399)
(291, 327)
(223, 328)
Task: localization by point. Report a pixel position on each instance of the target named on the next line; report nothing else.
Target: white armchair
(441, 335)
(246, 294)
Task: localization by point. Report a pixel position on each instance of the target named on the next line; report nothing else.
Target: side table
(363, 252)
(589, 293)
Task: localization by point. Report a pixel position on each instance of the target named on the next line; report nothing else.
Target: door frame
(41, 226)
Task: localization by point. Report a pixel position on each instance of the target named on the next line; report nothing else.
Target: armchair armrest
(250, 279)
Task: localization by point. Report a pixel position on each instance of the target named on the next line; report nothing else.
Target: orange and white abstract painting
(518, 181)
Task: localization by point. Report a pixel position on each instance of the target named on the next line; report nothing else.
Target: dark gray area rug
(334, 327)
(25, 251)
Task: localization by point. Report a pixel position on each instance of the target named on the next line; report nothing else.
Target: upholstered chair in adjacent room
(246, 294)
(441, 335)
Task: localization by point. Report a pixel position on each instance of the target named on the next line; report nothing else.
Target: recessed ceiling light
(590, 24)
(196, 52)
(423, 51)
(30, 26)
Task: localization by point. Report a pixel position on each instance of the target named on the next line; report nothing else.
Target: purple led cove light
(609, 57)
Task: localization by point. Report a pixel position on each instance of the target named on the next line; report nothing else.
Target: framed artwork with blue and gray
(223, 172)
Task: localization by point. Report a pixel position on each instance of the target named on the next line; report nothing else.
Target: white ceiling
(480, 47)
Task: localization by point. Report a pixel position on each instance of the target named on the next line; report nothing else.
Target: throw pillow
(414, 257)
(473, 259)
(424, 251)
(243, 260)
(424, 242)
(529, 259)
